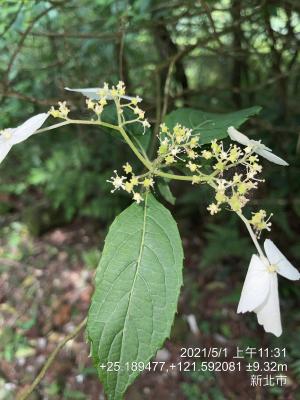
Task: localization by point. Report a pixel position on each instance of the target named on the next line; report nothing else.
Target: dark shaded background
(55, 203)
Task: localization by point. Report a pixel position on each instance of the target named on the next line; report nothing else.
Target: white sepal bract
(260, 290)
(257, 146)
(95, 93)
(12, 136)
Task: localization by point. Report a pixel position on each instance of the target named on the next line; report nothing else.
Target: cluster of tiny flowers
(115, 91)
(235, 191)
(176, 144)
(231, 157)
(131, 183)
(260, 222)
(61, 112)
(96, 106)
(139, 114)
(118, 94)
(105, 93)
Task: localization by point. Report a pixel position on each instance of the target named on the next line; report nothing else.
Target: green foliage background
(229, 55)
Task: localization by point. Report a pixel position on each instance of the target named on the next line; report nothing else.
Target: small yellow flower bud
(253, 159)
(216, 148)
(55, 113)
(234, 154)
(134, 180)
(114, 92)
(98, 109)
(169, 159)
(206, 154)
(64, 110)
(163, 148)
(191, 166)
(179, 133)
(121, 88)
(196, 179)
(259, 222)
(194, 142)
(258, 217)
(164, 128)
(220, 197)
(213, 208)
(102, 102)
(256, 167)
(127, 168)
(136, 100)
(128, 187)
(148, 182)
(237, 178)
(219, 166)
(90, 104)
(235, 203)
(242, 188)
(191, 154)
(137, 197)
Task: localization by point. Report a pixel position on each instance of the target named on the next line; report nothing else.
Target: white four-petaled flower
(12, 136)
(260, 290)
(256, 145)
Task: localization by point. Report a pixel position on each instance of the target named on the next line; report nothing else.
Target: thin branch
(200, 42)
(121, 49)
(31, 99)
(168, 85)
(158, 118)
(35, 383)
(20, 44)
(210, 18)
(158, 111)
(7, 28)
(77, 35)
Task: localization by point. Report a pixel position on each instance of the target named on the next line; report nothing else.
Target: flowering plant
(139, 276)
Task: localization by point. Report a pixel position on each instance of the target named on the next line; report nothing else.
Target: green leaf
(165, 191)
(136, 292)
(209, 125)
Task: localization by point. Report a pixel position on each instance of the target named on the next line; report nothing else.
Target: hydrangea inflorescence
(233, 172)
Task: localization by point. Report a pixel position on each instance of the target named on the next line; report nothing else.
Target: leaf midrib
(134, 280)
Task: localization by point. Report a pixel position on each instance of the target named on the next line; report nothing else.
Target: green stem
(53, 127)
(119, 128)
(99, 123)
(204, 178)
(252, 234)
(146, 163)
(72, 335)
(78, 121)
(176, 177)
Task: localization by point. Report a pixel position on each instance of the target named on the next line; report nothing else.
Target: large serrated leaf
(137, 287)
(208, 125)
